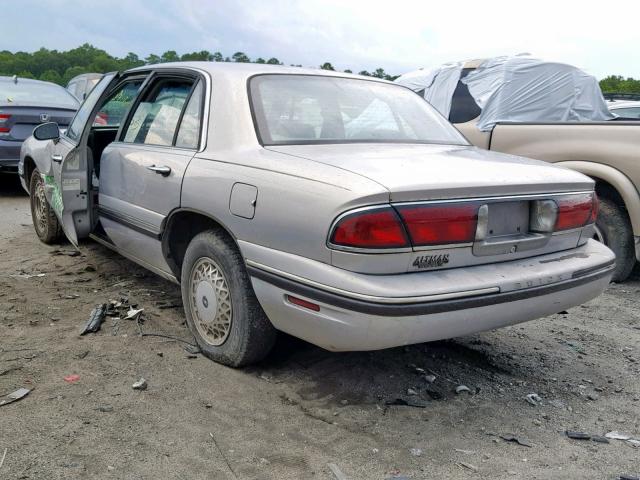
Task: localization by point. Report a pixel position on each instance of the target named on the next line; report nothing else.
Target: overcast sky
(398, 35)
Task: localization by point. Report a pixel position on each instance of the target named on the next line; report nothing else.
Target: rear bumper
(9, 154)
(507, 293)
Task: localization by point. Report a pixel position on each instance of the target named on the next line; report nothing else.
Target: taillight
(379, 228)
(575, 211)
(3, 120)
(440, 224)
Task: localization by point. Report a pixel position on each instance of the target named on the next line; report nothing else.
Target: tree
(152, 59)
(202, 55)
(217, 57)
(240, 57)
(348, 71)
(327, 66)
(260, 60)
(379, 73)
(274, 61)
(51, 76)
(169, 56)
(365, 73)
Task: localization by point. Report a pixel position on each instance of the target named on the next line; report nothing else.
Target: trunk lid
(21, 120)
(504, 190)
(440, 172)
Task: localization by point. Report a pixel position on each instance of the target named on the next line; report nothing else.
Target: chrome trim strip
(374, 298)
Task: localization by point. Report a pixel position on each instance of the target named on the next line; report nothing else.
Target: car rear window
(36, 93)
(307, 109)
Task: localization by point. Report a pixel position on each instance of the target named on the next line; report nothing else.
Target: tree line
(60, 67)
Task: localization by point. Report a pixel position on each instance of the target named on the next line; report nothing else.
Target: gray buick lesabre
(340, 209)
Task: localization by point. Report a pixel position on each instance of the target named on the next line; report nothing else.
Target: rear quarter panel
(297, 199)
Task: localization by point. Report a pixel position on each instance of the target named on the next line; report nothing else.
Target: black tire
(615, 232)
(251, 335)
(44, 219)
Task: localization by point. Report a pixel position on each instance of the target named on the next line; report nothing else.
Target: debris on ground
(336, 471)
(534, 399)
(192, 349)
(429, 378)
(462, 388)
(27, 275)
(105, 408)
(628, 477)
(133, 313)
(411, 391)
(73, 378)
(514, 439)
(140, 385)
(416, 452)
(468, 466)
(615, 435)
(577, 435)
(401, 402)
(96, 317)
(69, 253)
(14, 396)
(599, 439)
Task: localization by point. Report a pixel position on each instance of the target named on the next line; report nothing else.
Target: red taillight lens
(370, 229)
(595, 209)
(303, 303)
(440, 224)
(575, 211)
(3, 119)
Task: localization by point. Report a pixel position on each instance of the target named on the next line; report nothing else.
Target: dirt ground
(303, 408)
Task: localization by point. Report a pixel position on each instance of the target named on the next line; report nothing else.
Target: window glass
(155, 119)
(633, 112)
(295, 109)
(189, 132)
(113, 110)
(82, 115)
(34, 92)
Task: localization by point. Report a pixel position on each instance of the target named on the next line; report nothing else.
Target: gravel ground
(303, 408)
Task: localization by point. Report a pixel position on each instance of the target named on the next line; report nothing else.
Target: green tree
(51, 76)
(274, 61)
(202, 55)
(364, 72)
(218, 57)
(152, 59)
(240, 57)
(260, 60)
(327, 66)
(170, 56)
(348, 71)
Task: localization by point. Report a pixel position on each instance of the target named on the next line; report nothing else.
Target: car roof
(246, 70)
(613, 105)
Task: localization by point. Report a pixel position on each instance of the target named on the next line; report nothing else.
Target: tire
(44, 219)
(614, 230)
(216, 292)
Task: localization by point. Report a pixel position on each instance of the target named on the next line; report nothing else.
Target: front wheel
(614, 230)
(222, 310)
(44, 218)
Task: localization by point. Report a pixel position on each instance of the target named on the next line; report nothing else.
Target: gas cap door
(242, 202)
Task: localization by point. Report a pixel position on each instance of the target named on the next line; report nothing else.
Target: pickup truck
(552, 112)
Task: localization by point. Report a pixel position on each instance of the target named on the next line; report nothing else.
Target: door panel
(69, 187)
(139, 198)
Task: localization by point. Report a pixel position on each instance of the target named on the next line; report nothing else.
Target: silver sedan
(340, 209)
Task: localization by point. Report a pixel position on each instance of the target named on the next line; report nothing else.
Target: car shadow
(10, 186)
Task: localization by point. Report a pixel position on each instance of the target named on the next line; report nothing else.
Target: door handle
(56, 157)
(162, 170)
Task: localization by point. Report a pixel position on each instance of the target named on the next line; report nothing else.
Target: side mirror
(47, 131)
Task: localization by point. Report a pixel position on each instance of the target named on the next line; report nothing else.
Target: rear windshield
(36, 93)
(308, 109)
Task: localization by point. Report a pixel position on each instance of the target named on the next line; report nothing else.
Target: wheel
(222, 310)
(614, 230)
(44, 218)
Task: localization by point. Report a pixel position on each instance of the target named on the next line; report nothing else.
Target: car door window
(156, 117)
(189, 131)
(115, 107)
(74, 132)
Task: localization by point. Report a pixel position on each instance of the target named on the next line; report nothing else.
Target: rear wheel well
(181, 227)
(606, 190)
(29, 166)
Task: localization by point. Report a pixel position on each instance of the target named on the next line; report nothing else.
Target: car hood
(426, 172)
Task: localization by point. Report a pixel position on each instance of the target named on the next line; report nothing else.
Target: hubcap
(210, 301)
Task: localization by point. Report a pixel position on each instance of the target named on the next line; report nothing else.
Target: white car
(625, 108)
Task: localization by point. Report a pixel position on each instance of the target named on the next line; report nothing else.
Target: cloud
(399, 36)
